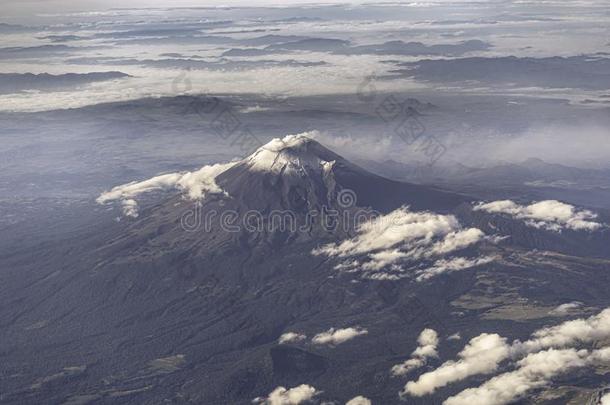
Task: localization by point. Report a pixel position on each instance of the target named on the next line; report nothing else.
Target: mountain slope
(154, 310)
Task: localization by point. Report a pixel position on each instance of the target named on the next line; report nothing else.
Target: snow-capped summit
(291, 153)
(289, 141)
(298, 171)
(292, 171)
(295, 172)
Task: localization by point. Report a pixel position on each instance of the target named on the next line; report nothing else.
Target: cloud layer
(566, 309)
(481, 355)
(353, 41)
(549, 352)
(427, 344)
(194, 185)
(291, 337)
(549, 214)
(396, 245)
(359, 400)
(334, 336)
(292, 396)
(534, 371)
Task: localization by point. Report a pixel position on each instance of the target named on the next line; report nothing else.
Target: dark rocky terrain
(146, 311)
(437, 232)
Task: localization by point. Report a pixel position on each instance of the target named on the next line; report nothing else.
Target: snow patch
(288, 152)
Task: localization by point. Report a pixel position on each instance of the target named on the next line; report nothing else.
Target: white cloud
(455, 336)
(392, 244)
(292, 396)
(605, 400)
(134, 188)
(549, 214)
(291, 337)
(195, 185)
(382, 259)
(600, 356)
(457, 240)
(337, 336)
(565, 309)
(398, 227)
(427, 344)
(451, 265)
(359, 400)
(484, 353)
(535, 370)
(480, 356)
(553, 140)
(568, 333)
(202, 181)
(407, 366)
(339, 75)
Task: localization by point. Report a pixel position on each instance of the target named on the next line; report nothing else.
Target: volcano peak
(289, 141)
(290, 152)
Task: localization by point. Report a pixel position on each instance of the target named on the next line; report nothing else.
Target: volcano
(293, 182)
(299, 165)
(252, 275)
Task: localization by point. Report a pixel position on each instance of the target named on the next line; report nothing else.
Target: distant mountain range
(17, 82)
(533, 177)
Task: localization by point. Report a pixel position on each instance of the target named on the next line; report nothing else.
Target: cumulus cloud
(359, 400)
(194, 185)
(386, 231)
(407, 366)
(566, 309)
(291, 337)
(292, 396)
(549, 214)
(401, 241)
(605, 400)
(427, 344)
(455, 336)
(568, 333)
(451, 265)
(548, 351)
(600, 356)
(535, 370)
(481, 355)
(457, 240)
(334, 336)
